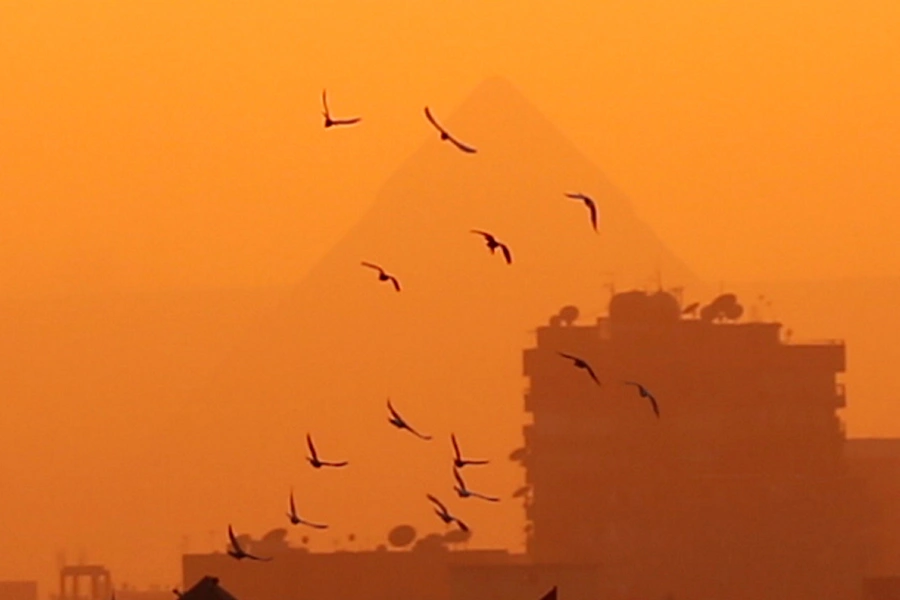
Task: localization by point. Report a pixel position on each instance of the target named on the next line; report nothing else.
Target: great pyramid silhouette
(340, 317)
(447, 349)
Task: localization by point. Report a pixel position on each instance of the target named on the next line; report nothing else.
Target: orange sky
(173, 145)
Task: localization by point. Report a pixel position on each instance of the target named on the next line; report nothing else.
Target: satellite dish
(275, 536)
(568, 314)
(518, 455)
(457, 536)
(402, 536)
(522, 491)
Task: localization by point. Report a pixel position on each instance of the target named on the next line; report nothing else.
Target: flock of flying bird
(238, 552)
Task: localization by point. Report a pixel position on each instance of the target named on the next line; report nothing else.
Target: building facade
(737, 490)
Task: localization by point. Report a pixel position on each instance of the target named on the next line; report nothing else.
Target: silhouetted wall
(428, 572)
(877, 463)
(18, 590)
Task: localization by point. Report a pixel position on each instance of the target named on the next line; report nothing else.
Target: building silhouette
(18, 590)
(739, 489)
(745, 485)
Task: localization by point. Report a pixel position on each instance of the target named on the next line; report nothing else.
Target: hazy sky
(164, 144)
(180, 144)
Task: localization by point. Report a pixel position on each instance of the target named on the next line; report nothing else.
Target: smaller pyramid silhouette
(207, 588)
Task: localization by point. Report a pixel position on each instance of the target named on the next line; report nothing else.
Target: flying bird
(314, 459)
(581, 364)
(397, 421)
(237, 552)
(465, 492)
(589, 203)
(445, 515)
(329, 121)
(382, 276)
(296, 520)
(645, 394)
(493, 244)
(446, 136)
(458, 460)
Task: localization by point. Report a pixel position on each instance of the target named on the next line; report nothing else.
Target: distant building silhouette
(744, 488)
(877, 462)
(18, 590)
(427, 569)
(72, 576)
(739, 490)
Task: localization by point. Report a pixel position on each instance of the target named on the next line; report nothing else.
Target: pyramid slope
(447, 349)
(419, 228)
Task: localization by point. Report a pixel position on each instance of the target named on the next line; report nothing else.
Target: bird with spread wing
(589, 202)
(445, 515)
(397, 421)
(493, 244)
(581, 364)
(445, 136)
(237, 552)
(329, 122)
(382, 276)
(314, 458)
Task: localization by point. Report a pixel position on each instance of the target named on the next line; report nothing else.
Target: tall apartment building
(737, 490)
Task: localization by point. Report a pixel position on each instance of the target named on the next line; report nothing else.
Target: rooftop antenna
(610, 283)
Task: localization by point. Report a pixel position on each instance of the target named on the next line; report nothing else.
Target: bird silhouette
(397, 421)
(445, 515)
(329, 122)
(382, 276)
(645, 394)
(465, 492)
(237, 552)
(314, 459)
(493, 244)
(458, 460)
(581, 364)
(446, 136)
(296, 520)
(589, 203)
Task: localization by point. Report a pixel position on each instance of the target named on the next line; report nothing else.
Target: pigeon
(446, 136)
(397, 421)
(464, 492)
(645, 394)
(581, 364)
(382, 276)
(329, 122)
(589, 203)
(314, 459)
(295, 520)
(445, 515)
(458, 460)
(237, 552)
(493, 244)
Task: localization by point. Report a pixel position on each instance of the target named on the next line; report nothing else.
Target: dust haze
(183, 298)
